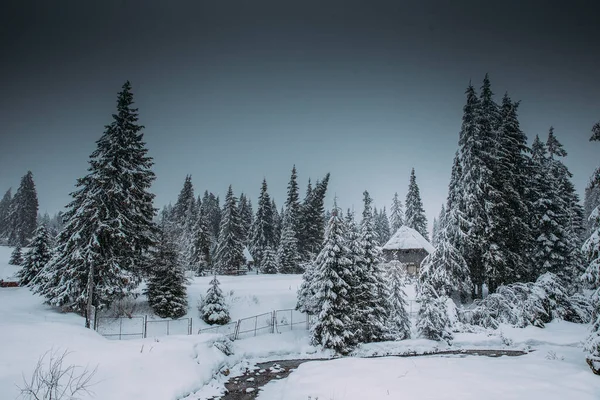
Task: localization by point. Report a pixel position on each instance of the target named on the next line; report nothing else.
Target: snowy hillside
(176, 367)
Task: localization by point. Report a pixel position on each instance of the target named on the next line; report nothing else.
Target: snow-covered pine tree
(591, 251)
(312, 217)
(166, 290)
(184, 203)
(246, 216)
(214, 310)
(200, 250)
(397, 214)
(4, 212)
(333, 326)
(357, 290)
(432, 318)
(109, 224)
(213, 212)
(552, 249)
(263, 234)
(436, 227)
(277, 224)
(16, 257)
(474, 144)
(383, 227)
(269, 261)
(372, 310)
(591, 201)
(415, 214)
(399, 320)
(570, 209)
(229, 256)
(36, 258)
(306, 301)
(288, 258)
(23, 211)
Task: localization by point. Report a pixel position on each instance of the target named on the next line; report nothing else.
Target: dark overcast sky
(234, 91)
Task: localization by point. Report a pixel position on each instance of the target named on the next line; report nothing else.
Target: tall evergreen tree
(591, 201)
(383, 227)
(185, 201)
(475, 185)
(22, 214)
(397, 214)
(591, 251)
(16, 257)
(552, 250)
(109, 225)
(263, 232)
(166, 290)
(570, 209)
(312, 220)
(37, 257)
(432, 318)
(4, 212)
(415, 214)
(229, 256)
(214, 310)
(372, 309)
(246, 216)
(288, 258)
(399, 320)
(213, 211)
(277, 224)
(200, 251)
(436, 227)
(332, 328)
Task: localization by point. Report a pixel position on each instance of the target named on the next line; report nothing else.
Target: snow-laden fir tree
(333, 325)
(306, 301)
(591, 251)
(246, 216)
(277, 224)
(263, 229)
(552, 250)
(396, 214)
(288, 258)
(37, 257)
(229, 256)
(372, 310)
(22, 214)
(399, 320)
(312, 220)
(414, 216)
(591, 201)
(269, 261)
(199, 260)
(214, 310)
(16, 257)
(356, 292)
(213, 212)
(383, 227)
(474, 149)
(432, 318)
(4, 210)
(436, 227)
(166, 289)
(100, 254)
(570, 210)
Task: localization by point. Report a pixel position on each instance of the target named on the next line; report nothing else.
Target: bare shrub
(53, 379)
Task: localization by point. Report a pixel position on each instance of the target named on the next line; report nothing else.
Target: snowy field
(187, 367)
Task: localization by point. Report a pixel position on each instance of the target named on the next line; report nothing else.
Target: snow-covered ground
(181, 366)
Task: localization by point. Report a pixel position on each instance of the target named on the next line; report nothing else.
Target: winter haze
(232, 92)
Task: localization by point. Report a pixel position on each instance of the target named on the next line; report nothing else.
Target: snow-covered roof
(247, 255)
(407, 238)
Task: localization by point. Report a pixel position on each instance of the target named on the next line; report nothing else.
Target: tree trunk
(90, 290)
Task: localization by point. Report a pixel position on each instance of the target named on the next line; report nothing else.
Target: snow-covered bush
(213, 307)
(432, 319)
(523, 304)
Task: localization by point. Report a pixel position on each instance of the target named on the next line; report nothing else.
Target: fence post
(237, 330)
(291, 320)
(167, 327)
(120, 326)
(145, 326)
(190, 326)
(273, 321)
(95, 318)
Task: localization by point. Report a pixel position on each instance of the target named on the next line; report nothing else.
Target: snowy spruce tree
(4, 212)
(229, 256)
(23, 213)
(246, 216)
(332, 328)
(591, 251)
(312, 220)
(591, 201)
(269, 261)
(263, 229)
(432, 318)
(372, 308)
(383, 227)
(37, 257)
(166, 289)
(16, 257)
(277, 224)
(214, 311)
(415, 214)
(306, 301)
(101, 251)
(396, 214)
(399, 320)
(288, 256)
(199, 260)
